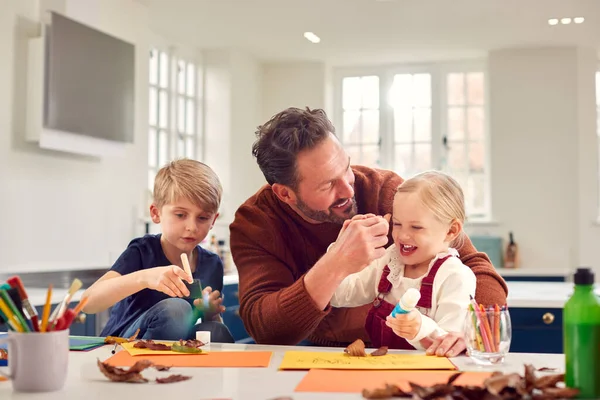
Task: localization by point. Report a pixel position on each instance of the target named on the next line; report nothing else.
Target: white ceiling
(374, 31)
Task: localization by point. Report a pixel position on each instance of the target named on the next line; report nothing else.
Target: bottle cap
(584, 276)
(410, 299)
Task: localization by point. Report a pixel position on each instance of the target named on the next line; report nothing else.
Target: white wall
(232, 113)
(544, 154)
(59, 210)
(293, 85)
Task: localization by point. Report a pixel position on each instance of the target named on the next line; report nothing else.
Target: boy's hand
(215, 303)
(168, 280)
(405, 325)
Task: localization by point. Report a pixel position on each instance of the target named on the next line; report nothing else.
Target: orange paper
(213, 359)
(354, 381)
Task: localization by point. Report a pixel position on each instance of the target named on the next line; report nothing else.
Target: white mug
(38, 362)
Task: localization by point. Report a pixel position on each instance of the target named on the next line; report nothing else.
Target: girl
(428, 215)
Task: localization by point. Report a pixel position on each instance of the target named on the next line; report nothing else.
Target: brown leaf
(496, 384)
(549, 381)
(530, 378)
(453, 378)
(382, 351)
(162, 367)
(116, 374)
(385, 392)
(356, 349)
(193, 343)
(560, 392)
(173, 378)
(546, 369)
(151, 345)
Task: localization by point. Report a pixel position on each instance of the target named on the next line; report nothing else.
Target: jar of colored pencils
(488, 334)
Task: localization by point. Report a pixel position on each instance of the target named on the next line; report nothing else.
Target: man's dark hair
(284, 136)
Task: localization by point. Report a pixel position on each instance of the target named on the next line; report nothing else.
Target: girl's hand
(168, 280)
(405, 325)
(215, 303)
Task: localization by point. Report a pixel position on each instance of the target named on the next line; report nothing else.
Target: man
(280, 236)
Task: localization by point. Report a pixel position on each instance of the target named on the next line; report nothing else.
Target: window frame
(439, 118)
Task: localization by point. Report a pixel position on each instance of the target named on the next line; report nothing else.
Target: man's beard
(330, 215)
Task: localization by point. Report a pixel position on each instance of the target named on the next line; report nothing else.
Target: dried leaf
(546, 369)
(560, 392)
(173, 378)
(116, 374)
(120, 340)
(193, 343)
(385, 392)
(529, 378)
(454, 377)
(151, 345)
(162, 367)
(382, 351)
(549, 381)
(356, 349)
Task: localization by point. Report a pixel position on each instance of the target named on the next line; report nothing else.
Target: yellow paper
(147, 352)
(325, 360)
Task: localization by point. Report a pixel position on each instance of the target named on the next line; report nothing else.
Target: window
(174, 104)
(432, 117)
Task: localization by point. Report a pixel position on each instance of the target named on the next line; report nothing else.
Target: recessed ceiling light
(311, 37)
(578, 20)
(565, 21)
(553, 21)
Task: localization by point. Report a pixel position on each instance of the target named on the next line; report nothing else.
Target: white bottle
(407, 302)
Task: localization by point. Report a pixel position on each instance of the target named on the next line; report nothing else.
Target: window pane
(153, 68)
(401, 91)
(151, 175)
(190, 117)
(180, 146)
(422, 124)
(403, 160)
(370, 156)
(163, 147)
(457, 161)
(354, 153)
(422, 90)
(181, 77)
(456, 123)
(164, 70)
(403, 125)
(370, 127)
(191, 79)
(351, 127)
(456, 89)
(422, 156)
(476, 157)
(180, 114)
(475, 88)
(153, 104)
(152, 148)
(189, 148)
(475, 123)
(475, 194)
(370, 92)
(351, 94)
(163, 109)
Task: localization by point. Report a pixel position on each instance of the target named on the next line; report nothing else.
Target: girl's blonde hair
(441, 194)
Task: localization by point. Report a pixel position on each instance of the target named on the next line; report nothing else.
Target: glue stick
(407, 302)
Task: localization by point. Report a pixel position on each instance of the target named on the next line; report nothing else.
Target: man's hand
(360, 241)
(448, 345)
(407, 325)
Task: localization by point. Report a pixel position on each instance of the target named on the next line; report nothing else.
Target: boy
(146, 284)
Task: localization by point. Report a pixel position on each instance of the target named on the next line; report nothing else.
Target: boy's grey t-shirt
(146, 252)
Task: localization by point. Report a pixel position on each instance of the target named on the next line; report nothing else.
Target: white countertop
(86, 382)
(533, 272)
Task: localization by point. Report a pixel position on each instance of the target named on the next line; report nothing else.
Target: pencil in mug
(13, 308)
(487, 328)
(485, 338)
(11, 317)
(478, 341)
(16, 283)
(46, 310)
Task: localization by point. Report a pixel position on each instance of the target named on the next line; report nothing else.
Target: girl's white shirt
(452, 285)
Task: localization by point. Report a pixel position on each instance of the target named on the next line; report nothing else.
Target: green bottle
(581, 329)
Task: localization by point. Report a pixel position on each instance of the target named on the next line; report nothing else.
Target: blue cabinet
(536, 330)
(231, 316)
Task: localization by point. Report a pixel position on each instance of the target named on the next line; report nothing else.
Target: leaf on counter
(151, 345)
(356, 349)
(173, 378)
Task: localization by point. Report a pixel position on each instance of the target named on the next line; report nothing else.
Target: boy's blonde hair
(441, 194)
(190, 179)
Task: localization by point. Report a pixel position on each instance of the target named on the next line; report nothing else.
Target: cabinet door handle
(237, 295)
(548, 318)
(80, 319)
(237, 313)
